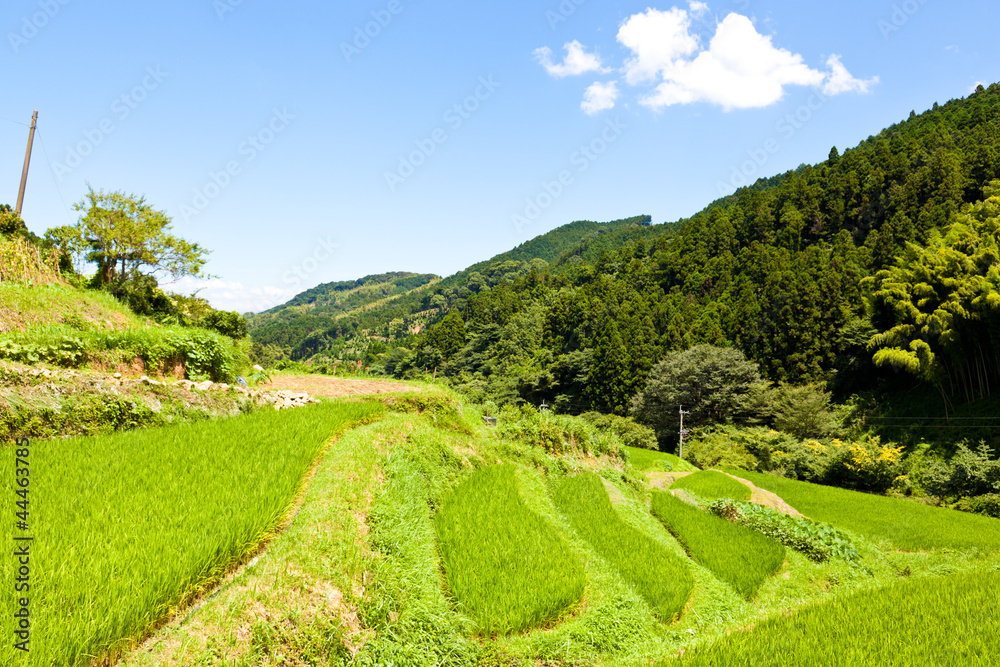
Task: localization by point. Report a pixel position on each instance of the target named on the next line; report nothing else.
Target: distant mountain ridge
(392, 305)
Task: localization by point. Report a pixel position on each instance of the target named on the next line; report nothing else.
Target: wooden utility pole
(681, 450)
(27, 162)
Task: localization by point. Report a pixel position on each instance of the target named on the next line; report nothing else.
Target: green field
(906, 524)
(951, 621)
(648, 460)
(505, 565)
(661, 578)
(127, 526)
(711, 484)
(739, 556)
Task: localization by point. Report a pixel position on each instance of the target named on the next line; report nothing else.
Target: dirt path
(331, 387)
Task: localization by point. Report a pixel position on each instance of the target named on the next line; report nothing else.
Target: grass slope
(952, 621)
(648, 460)
(504, 564)
(739, 556)
(127, 526)
(23, 306)
(661, 578)
(906, 524)
(711, 484)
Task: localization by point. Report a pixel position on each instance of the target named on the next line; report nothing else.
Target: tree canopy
(128, 239)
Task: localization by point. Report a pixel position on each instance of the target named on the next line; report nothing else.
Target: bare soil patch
(331, 387)
(664, 480)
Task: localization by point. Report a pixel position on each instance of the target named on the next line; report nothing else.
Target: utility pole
(681, 450)
(27, 162)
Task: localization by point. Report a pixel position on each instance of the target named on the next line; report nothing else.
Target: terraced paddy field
(660, 577)
(938, 621)
(424, 538)
(505, 565)
(905, 524)
(128, 527)
(711, 484)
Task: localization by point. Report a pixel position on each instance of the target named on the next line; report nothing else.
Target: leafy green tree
(803, 411)
(712, 384)
(128, 239)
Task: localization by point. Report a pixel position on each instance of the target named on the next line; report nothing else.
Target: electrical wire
(52, 171)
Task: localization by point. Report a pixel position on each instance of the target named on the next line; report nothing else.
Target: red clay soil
(330, 387)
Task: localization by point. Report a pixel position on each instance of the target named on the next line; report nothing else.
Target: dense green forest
(825, 274)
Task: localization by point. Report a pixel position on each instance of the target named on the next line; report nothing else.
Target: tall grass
(711, 484)
(504, 564)
(946, 621)
(739, 556)
(127, 526)
(661, 578)
(906, 524)
(649, 461)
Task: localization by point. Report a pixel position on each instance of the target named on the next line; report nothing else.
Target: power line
(54, 182)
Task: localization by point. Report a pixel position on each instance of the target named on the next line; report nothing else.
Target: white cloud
(577, 60)
(658, 39)
(697, 8)
(227, 295)
(740, 69)
(600, 97)
(839, 80)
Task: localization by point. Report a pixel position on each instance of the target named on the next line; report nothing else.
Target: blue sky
(306, 142)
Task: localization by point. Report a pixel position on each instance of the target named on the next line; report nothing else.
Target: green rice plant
(711, 484)
(818, 541)
(651, 461)
(127, 527)
(739, 556)
(505, 565)
(940, 621)
(906, 524)
(661, 578)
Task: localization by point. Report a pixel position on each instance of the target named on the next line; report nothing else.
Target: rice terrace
(572, 334)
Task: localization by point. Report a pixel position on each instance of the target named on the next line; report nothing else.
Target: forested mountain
(360, 317)
(810, 274)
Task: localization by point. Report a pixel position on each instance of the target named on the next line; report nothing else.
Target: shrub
(988, 505)
(556, 434)
(818, 541)
(865, 464)
(631, 433)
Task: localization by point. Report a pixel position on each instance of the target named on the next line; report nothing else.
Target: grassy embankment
(127, 527)
(650, 461)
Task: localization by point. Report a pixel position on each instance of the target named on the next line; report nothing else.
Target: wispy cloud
(577, 60)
